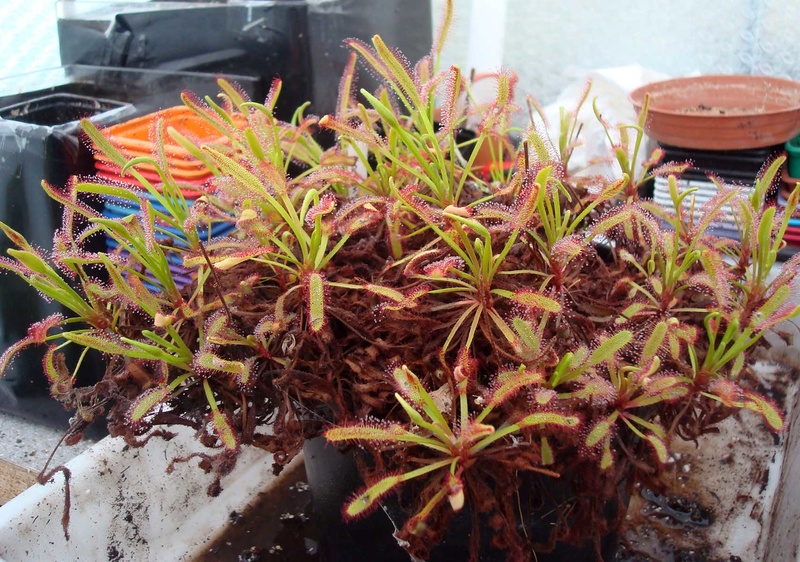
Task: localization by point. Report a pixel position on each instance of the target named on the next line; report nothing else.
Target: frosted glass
(551, 43)
(29, 40)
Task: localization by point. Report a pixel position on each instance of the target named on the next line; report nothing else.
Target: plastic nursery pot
(39, 140)
(333, 478)
(721, 112)
(146, 90)
(740, 167)
(793, 157)
(57, 109)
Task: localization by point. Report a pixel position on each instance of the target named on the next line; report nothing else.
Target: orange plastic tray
(148, 171)
(173, 163)
(134, 137)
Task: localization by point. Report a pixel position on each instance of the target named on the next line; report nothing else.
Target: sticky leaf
(532, 299)
(508, 383)
(548, 418)
(547, 452)
(365, 432)
(209, 361)
(224, 430)
(599, 431)
(363, 503)
(608, 348)
(654, 341)
(659, 446)
(145, 403)
(315, 288)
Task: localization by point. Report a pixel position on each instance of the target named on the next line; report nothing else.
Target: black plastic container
(260, 40)
(734, 167)
(144, 89)
(40, 139)
(741, 166)
(299, 40)
(57, 109)
(402, 24)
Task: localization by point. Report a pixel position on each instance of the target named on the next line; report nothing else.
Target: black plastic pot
(144, 89)
(734, 166)
(334, 478)
(403, 24)
(38, 141)
(57, 109)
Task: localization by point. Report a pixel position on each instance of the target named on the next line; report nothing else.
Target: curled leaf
(734, 396)
(508, 383)
(58, 375)
(455, 491)
(659, 447)
(211, 362)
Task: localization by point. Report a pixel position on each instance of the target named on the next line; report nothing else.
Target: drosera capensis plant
(469, 332)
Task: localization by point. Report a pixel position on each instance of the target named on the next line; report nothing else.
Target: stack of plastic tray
(134, 138)
(792, 236)
(738, 168)
(114, 208)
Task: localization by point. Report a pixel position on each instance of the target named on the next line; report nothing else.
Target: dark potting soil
(689, 521)
(277, 527)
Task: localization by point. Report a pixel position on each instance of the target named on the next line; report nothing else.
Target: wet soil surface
(275, 528)
(667, 528)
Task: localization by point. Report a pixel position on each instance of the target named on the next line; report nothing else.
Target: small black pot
(333, 477)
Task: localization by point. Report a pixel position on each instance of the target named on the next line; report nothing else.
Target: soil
(659, 528)
(665, 528)
(702, 109)
(716, 497)
(275, 528)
